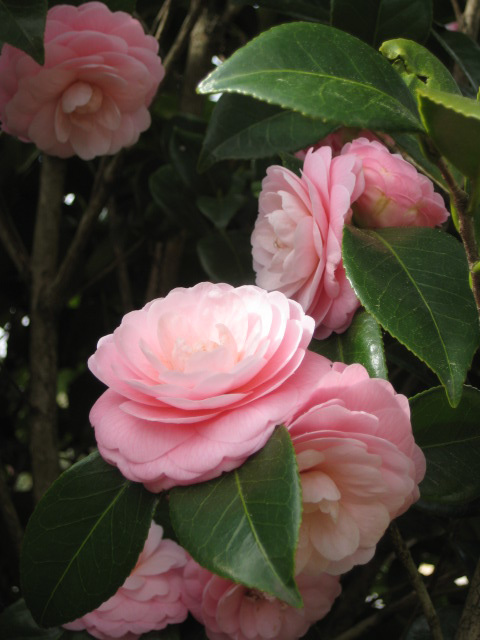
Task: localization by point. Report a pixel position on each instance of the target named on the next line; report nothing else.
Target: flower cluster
(198, 380)
(90, 97)
(296, 242)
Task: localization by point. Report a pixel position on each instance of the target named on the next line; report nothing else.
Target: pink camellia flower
(232, 611)
(90, 98)
(359, 466)
(298, 236)
(395, 194)
(149, 599)
(198, 381)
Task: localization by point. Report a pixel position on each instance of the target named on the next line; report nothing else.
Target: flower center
(81, 99)
(183, 351)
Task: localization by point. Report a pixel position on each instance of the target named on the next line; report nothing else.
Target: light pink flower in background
(395, 194)
(198, 381)
(149, 599)
(359, 466)
(232, 611)
(297, 239)
(90, 98)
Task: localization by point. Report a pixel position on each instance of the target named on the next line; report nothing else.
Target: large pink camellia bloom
(297, 239)
(359, 466)
(90, 98)
(232, 611)
(395, 194)
(149, 599)
(198, 381)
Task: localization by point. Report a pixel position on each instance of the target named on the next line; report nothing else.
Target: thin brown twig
(182, 36)
(469, 627)
(470, 21)
(13, 244)
(162, 19)
(423, 596)
(457, 11)
(101, 190)
(123, 278)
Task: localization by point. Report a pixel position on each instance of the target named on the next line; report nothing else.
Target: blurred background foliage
(165, 224)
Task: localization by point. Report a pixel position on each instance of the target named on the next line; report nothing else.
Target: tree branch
(471, 19)
(469, 627)
(182, 36)
(43, 327)
(423, 596)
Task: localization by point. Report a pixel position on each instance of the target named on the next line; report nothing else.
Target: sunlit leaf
(314, 69)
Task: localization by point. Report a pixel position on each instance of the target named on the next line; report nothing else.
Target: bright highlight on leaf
(244, 525)
(313, 69)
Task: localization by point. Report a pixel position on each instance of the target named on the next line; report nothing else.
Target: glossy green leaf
(453, 123)
(414, 281)
(301, 9)
(244, 525)
(376, 20)
(22, 25)
(361, 343)
(242, 127)
(417, 66)
(464, 51)
(83, 540)
(450, 440)
(226, 256)
(322, 73)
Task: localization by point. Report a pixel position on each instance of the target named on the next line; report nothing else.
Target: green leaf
(464, 51)
(291, 162)
(376, 20)
(404, 18)
(241, 127)
(222, 209)
(301, 9)
(83, 540)
(450, 440)
(417, 66)
(410, 144)
(22, 25)
(361, 343)
(414, 281)
(453, 123)
(226, 256)
(177, 201)
(322, 73)
(244, 525)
